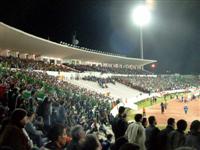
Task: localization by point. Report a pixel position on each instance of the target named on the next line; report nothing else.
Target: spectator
(61, 113)
(152, 134)
(135, 132)
(193, 138)
(35, 135)
(91, 143)
(32, 102)
(57, 135)
(20, 100)
(107, 143)
(162, 137)
(119, 124)
(144, 122)
(177, 138)
(13, 134)
(78, 135)
(46, 112)
(12, 96)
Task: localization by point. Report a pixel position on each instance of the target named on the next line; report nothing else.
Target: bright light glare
(141, 15)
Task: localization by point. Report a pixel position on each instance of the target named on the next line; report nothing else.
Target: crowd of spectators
(149, 137)
(101, 81)
(38, 111)
(159, 83)
(31, 64)
(61, 102)
(15, 62)
(108, 69)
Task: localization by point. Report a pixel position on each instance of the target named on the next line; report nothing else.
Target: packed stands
(158, 84)
(79, 104)
(37, 111)
(39, 108)
(31, 64)
(103, 69)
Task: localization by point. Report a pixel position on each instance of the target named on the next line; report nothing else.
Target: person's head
(129, 146)
(57, 134)
(91, 143)
(144, 122)
(122, 111)
(77, 133)
(195, 126)
(171, 122)
(152, 120)
(181, 125)
(19, 117)
(138, 117)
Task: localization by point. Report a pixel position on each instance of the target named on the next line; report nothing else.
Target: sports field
(175, 110)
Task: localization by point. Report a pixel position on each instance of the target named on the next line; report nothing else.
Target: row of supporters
(15, 62)
(150, 137)
(159, 83)
(41, 111)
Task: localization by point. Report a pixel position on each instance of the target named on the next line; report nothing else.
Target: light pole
(141, 44)
(141, 17)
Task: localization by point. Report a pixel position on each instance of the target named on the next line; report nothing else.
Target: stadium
(60, 96)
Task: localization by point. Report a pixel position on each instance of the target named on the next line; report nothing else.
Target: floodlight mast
(141, 17)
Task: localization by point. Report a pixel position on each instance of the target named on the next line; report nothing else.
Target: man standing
(152, 134)
(185, 109)
(32, 101)
(136, 132)
(14, 135)
(119, 124)
(78, 136)
(177, 138)
(162, 137)
(162, 108)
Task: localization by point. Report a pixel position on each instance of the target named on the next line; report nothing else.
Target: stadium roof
(17, 40)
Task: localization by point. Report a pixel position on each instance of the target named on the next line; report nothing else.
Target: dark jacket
(162, 137)
(15, 138)
(119, 126)
(175, 139)
(193, 140)
(152, 137)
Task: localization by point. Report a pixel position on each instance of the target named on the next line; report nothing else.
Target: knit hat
(18, 114)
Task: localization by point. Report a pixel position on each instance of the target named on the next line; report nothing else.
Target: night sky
(172, 37)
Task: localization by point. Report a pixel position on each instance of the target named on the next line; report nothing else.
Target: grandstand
(61, 96)
(73, 62)
(24, 43)
(16, 43)
(71, 85)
